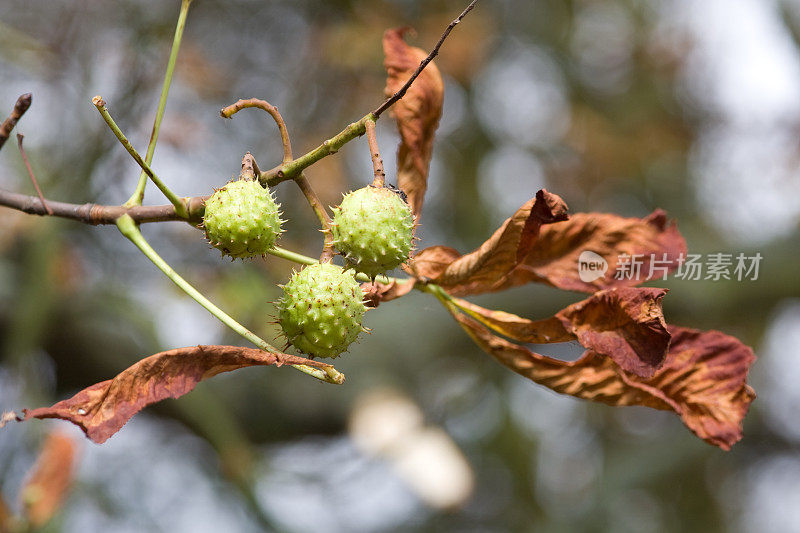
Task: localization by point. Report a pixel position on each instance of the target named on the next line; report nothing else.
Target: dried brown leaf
(46, 489)
(554, 257)
(417, 113)
(487, 267)
(703, 378)
(549, 248)
(102, 409)
(625, 324)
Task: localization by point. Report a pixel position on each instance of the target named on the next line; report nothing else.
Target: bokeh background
(616, 105)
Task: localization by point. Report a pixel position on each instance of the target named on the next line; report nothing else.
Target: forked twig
(180, 207)
(30, 174)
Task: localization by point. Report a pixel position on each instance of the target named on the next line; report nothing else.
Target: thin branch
(30, 173)
(290, 170)
(95, 214)
(375, 154)
(314, 201)
(322, 215)
(22, 105)
(138, 195)
(228, 112)
(424, 63)
(100, 104)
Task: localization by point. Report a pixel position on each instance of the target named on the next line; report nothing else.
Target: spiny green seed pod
(242, 219)
(373, 228)
(321, 310)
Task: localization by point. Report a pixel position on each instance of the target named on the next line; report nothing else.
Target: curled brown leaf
(703, 378)
(654, 242)
(417, 113)
(626, 325)
(549, 249)
(487, 267)
(103, 408)
(46, 489)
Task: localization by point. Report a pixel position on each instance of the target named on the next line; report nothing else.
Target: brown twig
(322, 215)
(424, 63)
(313, 200)
(22, 105)
(30, 173)
(95, 214)
(375, 154)
(228, 112)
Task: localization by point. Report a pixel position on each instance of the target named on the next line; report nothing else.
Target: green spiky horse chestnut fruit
(321, 310)
(373, 228)
(242, 219)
